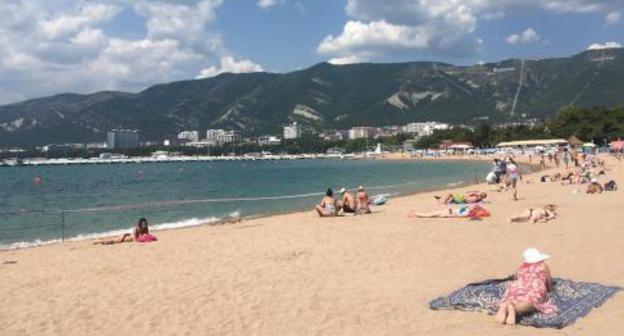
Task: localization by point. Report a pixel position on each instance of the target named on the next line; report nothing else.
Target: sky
(83, 46)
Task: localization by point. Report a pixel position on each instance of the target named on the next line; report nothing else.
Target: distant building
(220, 136)
(188, 135)
(122, 138)
(424, 128)
(334, 135)
(229, 136)
(269, 140)
(95, 145)
(360, 133)
(213, 134)
(292, 131)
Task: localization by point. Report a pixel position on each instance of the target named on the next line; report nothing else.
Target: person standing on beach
(566, 157)
(513, 175)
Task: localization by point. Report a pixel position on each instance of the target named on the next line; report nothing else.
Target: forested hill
(327, 96)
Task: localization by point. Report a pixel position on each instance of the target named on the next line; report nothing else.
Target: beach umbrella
(574, 141)
(589, 144)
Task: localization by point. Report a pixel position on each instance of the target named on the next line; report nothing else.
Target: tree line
(597, 124)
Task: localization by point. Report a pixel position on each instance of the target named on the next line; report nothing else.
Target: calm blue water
(25, 191)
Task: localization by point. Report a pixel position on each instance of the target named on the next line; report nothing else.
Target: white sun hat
(532, 256)
(343, 190)
(594, 180)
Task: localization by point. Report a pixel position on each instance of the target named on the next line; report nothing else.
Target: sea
(46, 204)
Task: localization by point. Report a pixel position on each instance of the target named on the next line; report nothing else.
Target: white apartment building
(188, 135)
(360, 133)
(292, 131)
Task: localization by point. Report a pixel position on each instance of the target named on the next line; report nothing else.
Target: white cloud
(58, 46)
(231, 65)
(606, 45)
(441, 27)
(266, 3)
(613, 17)
(69, 23)
(526, 36)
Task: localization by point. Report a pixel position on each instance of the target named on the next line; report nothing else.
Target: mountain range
(326, 96)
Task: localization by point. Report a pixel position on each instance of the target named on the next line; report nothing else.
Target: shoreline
(217, 221)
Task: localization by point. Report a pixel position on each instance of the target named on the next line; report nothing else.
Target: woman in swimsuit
(461, 212)
(327, 207)
(544, 214)
(140, 234)
(363, 201)
(529, 291)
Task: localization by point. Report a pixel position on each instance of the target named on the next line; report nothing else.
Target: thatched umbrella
(574, 141)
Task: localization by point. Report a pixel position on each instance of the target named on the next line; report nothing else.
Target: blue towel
(573, 299)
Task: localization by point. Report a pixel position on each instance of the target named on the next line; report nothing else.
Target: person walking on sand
(513, 175)
(327, 207)
(529, 291)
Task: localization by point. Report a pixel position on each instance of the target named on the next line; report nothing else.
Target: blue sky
(82, 46)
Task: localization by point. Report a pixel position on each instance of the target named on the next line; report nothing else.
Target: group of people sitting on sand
(588, 171)
(348, 204)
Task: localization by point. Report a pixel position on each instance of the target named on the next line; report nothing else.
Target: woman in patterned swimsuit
(529, 292)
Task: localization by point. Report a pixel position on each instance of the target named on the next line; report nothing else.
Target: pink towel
(146, 238)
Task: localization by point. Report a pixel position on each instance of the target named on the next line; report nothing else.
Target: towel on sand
(573, 299)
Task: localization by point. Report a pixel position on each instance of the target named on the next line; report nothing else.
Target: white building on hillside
(425, 128)
(360, 133)
(188, 135)
(292, 131)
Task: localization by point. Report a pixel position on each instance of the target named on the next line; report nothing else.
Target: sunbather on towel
(465, 211)
(468, 197)
(140, 234)
(529, 291)
(535, 215)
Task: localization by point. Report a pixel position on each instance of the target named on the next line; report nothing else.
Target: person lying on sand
(535, 215)
(594, 187)
(140, 234)
(529, 291)
(465, 211)
(327, 207)
(468, 197)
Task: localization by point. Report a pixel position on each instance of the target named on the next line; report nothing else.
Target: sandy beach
(298, 274)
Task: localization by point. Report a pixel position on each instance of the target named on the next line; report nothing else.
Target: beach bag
(380, 200)
(478, 212)
(610, 186)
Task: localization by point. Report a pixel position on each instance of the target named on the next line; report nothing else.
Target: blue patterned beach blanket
(573, 299)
